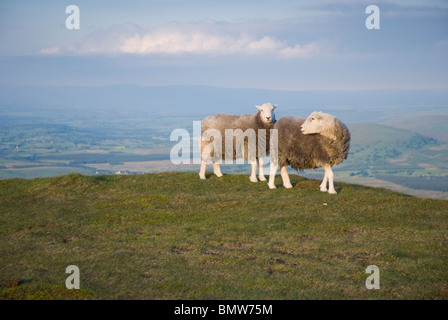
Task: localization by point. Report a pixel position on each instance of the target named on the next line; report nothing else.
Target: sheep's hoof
(262, 178)
(288, 186)
(272, 186)
(332, 192)
(253, 179)
(202, 177)
(323, 189)
(218, 174)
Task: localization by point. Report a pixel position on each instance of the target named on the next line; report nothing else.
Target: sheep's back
(244, 122)
(220, 121)
(298, 150)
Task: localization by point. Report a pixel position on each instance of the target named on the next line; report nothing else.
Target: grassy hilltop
(173, 236)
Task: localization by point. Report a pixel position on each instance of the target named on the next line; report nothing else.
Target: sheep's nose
(268, 118)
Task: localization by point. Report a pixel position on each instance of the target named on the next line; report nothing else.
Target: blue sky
(289, 45)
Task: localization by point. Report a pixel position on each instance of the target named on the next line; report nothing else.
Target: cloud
(200, 38)
(442, 44)
(305, 51)
(203, 43)
(50, 51)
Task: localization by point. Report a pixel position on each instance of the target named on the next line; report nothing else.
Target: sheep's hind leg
(217, 169)
(202, 171)
(272, 174)
(260, 170)
(253, 176)
(285, 177)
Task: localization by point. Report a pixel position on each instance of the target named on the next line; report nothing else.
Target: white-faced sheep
(237, 128)
(321, 141)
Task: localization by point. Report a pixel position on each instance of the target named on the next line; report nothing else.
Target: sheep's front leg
(330, 181)
(272, 174)
(217, 169)
(202, 171)
(329, 175)
(260, 170)
(323, 185)
(285, 177)
(253, 176)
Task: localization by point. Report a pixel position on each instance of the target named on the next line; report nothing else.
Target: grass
(174, 236)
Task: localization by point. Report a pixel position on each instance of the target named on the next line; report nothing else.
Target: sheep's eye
(312, 119)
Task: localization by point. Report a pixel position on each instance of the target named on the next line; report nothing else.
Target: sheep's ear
(258, 107)
(275, 106)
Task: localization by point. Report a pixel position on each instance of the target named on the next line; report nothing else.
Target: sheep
(247, 123)
(320, 141)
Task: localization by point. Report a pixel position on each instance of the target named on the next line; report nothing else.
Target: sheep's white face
(267, 113)
(315, 123)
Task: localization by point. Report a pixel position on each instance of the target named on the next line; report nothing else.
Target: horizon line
(223, 87)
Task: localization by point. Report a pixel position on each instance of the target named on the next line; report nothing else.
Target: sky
(281, 44)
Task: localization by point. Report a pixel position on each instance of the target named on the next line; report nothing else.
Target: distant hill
(374, 140)
(400, 156)
(53, 130)
(369, 134)
(435, 125)
(351, 106)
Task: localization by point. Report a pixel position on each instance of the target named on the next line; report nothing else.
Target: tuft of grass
(174, 236)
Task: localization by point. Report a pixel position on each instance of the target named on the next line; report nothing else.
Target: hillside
(369, 134)
(377, 147)
(174, 236)
(396, 158)
(380, 155)
(434, 125)
(55, 130)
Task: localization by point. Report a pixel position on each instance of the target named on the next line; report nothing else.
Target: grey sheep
(246, 125)
(320, 141)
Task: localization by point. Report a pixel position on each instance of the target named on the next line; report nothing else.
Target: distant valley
(126, 130)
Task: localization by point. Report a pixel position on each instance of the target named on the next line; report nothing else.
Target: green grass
(174, 236)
